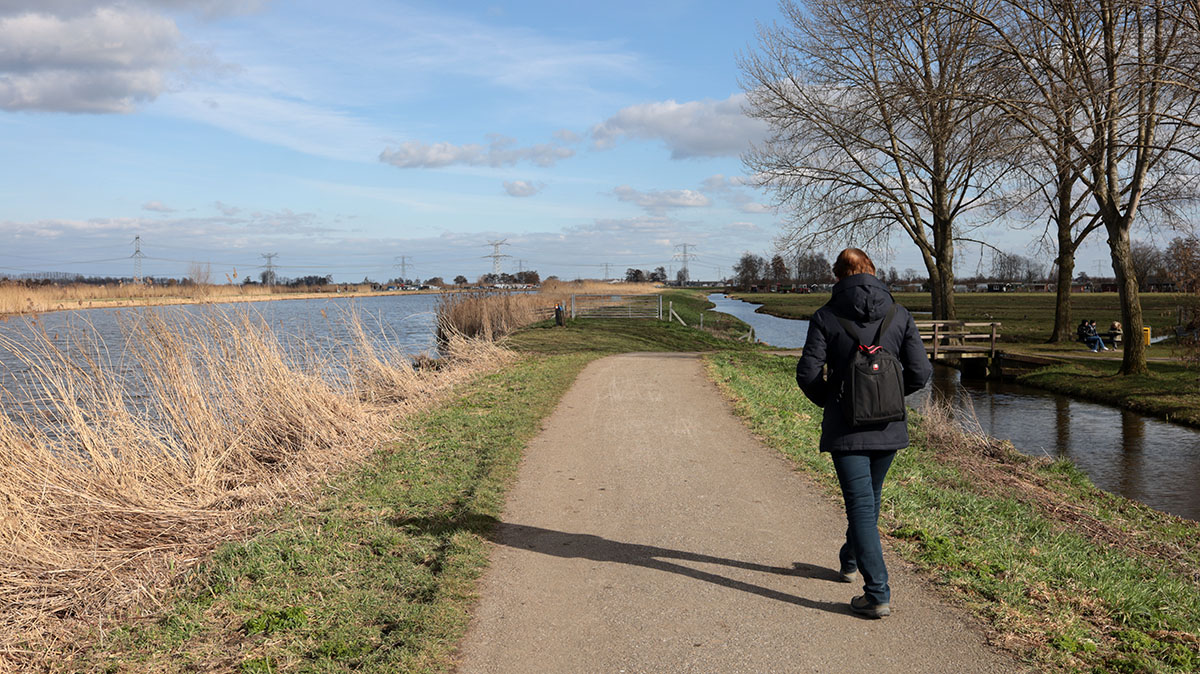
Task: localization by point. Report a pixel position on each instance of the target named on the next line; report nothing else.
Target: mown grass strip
(1070, 577)
(379, 575)
(1169, 391)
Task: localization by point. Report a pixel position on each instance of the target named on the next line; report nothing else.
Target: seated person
(1088, 335)
(1114, 332)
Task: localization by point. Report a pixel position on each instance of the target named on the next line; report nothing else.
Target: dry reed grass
(493, 315)
(16, 298)
(112, 485)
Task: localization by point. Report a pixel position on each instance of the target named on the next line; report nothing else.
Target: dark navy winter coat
(864, 300)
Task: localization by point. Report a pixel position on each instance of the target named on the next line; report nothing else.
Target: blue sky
(342, 136)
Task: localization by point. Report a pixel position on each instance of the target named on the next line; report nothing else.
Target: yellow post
(1146, 334)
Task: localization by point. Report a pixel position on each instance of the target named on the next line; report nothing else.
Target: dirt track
(650, 532)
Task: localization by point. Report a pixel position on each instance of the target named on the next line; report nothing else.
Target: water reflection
(1123, 452)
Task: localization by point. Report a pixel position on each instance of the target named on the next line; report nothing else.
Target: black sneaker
(862, 606)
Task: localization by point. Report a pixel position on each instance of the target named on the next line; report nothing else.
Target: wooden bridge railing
(945, 337)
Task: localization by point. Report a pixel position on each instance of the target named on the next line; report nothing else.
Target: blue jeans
(860, 475)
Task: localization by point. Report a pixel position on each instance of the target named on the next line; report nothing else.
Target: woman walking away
(844, 334)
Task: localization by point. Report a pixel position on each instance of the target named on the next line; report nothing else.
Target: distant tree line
(659, 275)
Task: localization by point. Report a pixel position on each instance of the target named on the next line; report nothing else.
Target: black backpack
(873, 383)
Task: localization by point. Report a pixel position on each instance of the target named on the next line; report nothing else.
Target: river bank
(1071, 577)
(22, 303)
(1068, 577)
(403, 534)
(1170, 391)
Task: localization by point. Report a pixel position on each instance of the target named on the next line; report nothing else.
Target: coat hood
(861, 297)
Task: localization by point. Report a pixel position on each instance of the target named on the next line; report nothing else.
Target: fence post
(660, 307)
(935, 340)
(701, 320)
(993, 340)
(572, 305)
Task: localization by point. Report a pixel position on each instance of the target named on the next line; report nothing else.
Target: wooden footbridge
(969, 346)
(958, 339)
(972, 348)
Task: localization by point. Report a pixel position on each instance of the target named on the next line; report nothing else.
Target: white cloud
(297, 125)
(692, 129)
(103, 61)
(733, 189)
(755, 207)
(567, 136)
(502, 151)
(157, 206)
(658, 201)
(96, 56)
(522, 188)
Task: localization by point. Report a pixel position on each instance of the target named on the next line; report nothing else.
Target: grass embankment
(125, 463)
(1170, 391)
(376, 575)
(1025, 317)
(20, 299)
(1070, 577)
(616, 335)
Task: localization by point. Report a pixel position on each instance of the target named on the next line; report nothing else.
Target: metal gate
(616, 306)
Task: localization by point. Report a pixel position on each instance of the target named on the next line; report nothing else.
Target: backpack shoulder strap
(849, 328)
(887, 321)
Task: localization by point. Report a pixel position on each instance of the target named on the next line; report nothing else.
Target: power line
(269, 275)
(496, 254)
(684, 257)
(137, 256)
(403, 264)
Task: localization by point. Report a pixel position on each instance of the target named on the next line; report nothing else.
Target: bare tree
(1112, 96)
(1182, 259)
(200, 273)
(878, 126)
(779, 270)
(749, 269)
(813, 268)
(1147, 262)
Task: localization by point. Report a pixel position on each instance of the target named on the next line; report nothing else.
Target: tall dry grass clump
(386, 374)
(492, 315)
(123, 465)
(18, 298)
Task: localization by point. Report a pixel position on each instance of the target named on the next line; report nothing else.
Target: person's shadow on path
(597, 548)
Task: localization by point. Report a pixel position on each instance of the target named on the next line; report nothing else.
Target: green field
(1025, 317)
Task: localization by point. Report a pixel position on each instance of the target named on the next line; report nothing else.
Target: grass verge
(1169, 391)
(378, 575)
(1068, 576)
(1025, 317)
(721, 331)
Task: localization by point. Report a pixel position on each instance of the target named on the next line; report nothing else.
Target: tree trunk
(1062, 296)
(943, 308)
(1134, 349)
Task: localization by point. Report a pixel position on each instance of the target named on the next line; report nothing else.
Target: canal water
(1139, 457)
(303, 326)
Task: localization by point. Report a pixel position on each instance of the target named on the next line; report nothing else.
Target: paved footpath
(650, 532)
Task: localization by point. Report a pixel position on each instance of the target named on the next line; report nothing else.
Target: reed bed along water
(493, 315)
(120, 471)
(18, 298)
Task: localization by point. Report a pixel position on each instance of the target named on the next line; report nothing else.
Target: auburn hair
(852, 261)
